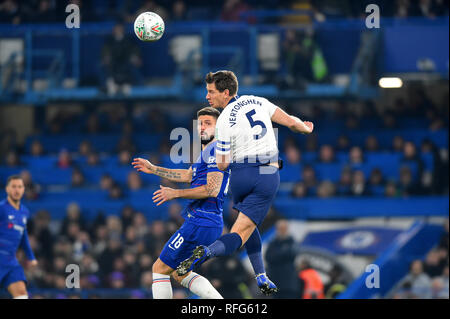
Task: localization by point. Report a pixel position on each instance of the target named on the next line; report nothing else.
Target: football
(149, 27)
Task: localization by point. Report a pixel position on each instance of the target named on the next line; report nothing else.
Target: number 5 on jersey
(254, 123)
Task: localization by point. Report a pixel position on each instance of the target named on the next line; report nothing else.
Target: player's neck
(227, 101)
(13, 203)
(205, 145)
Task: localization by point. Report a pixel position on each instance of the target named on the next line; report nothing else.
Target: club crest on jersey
(19, 228)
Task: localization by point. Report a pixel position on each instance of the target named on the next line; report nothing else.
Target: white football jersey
(244, 129)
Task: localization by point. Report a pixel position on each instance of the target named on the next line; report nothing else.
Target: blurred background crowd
(46, 11)
(76, 108)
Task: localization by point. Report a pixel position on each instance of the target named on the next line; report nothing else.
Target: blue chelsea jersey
(13, 233)
(207, 211)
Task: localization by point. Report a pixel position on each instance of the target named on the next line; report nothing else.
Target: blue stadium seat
(309, 157)
(388, 163)
(168, 163)
(366, 168)
(428, 161)
(119, 173)
(328, 171)
(44, 162)
(439, 138)
(54, 143)
(342, 157)
(413, 166)
(93, 174)
(409, 122)
(51, 176)
(147, 142)
(149, 179)
(377, 190)
(328, 136)
(290, 172)
(283, 193)
(5, 172)
(75, 195)
(144, 196)
(111, 161)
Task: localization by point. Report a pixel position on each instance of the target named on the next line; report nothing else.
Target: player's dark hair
(12, 177)
(209, 111)
(223, 80)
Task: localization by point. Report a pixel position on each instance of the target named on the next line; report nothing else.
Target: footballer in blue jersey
(203, 215)
(13, 235)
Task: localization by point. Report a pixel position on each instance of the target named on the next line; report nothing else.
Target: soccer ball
(149, 26)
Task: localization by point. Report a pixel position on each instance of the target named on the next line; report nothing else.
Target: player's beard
(207, 139)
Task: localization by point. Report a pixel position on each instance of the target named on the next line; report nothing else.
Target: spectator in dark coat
(280, 257)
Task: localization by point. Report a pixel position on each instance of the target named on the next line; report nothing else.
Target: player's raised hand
(143, 165)
(309, 127)
(163, 195)
(304, 127)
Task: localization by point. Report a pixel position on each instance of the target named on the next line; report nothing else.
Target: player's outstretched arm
(211, 189)
(174, 175)
(292, 122)
(25, 245)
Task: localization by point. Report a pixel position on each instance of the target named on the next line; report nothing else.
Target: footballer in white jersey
(245, 129)
(246, 143)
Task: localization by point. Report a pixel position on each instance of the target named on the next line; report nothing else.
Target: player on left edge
(13, 234)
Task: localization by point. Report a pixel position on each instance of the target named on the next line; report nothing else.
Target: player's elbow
(222, 166)
(212, 191)
(187, 180)
(214, 194)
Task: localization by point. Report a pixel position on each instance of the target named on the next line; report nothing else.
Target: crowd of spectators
(353, 182)
(49, 11)
(414, 176)
(427, 278)
(115, 252)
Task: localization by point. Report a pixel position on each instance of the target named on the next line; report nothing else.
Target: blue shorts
(254, 188)
(11, 274)
(183, 242)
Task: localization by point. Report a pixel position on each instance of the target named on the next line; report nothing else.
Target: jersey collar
(15, 209)
(233, 99)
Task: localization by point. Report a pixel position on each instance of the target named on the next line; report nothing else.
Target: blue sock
(253, 247)
(225, 245)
